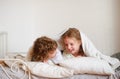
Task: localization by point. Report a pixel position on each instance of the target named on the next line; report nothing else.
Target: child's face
(52, 54)
(72, 45)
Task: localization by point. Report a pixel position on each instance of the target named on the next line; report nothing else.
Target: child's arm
(2, 63)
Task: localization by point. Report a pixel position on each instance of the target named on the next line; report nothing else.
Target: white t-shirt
(58, 57)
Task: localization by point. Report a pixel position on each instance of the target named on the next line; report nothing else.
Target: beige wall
(25, 20)
(117, 19)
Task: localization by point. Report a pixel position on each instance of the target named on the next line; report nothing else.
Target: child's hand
(2, 63)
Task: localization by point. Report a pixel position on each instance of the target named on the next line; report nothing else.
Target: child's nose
(69, 47)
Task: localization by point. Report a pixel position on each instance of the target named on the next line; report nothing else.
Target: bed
(21, 75)
(7, 73)
(17, 72)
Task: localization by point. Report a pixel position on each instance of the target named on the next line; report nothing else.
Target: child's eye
(71, 44)
(66, 44)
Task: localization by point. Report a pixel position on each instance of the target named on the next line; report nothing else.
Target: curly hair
(41, 48)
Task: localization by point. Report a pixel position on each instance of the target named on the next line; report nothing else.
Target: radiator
(3, 44)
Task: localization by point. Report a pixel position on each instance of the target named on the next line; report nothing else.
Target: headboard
(3, 44)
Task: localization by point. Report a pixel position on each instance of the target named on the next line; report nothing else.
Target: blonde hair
(41, 48)
(71, 32)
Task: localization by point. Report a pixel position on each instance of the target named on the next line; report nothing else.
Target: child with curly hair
(45, 50)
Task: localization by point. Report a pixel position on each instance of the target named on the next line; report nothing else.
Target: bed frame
(3, 44)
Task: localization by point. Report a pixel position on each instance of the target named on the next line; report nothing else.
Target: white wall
(16, 18)
(25, 20)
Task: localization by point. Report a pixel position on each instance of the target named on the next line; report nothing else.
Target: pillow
(46, 70)
(88, 65)
(14, 59)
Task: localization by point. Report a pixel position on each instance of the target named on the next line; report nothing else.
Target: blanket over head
(90, 50)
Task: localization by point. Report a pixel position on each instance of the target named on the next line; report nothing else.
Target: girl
(45, 50)
(76, 44)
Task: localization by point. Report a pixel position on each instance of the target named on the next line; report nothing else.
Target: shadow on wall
(117, 21)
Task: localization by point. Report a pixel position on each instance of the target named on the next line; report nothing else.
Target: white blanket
(90, 50)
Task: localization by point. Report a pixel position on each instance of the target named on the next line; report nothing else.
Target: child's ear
(80, 42)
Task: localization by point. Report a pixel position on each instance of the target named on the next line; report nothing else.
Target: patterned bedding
(20, 74)
(8, 73)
